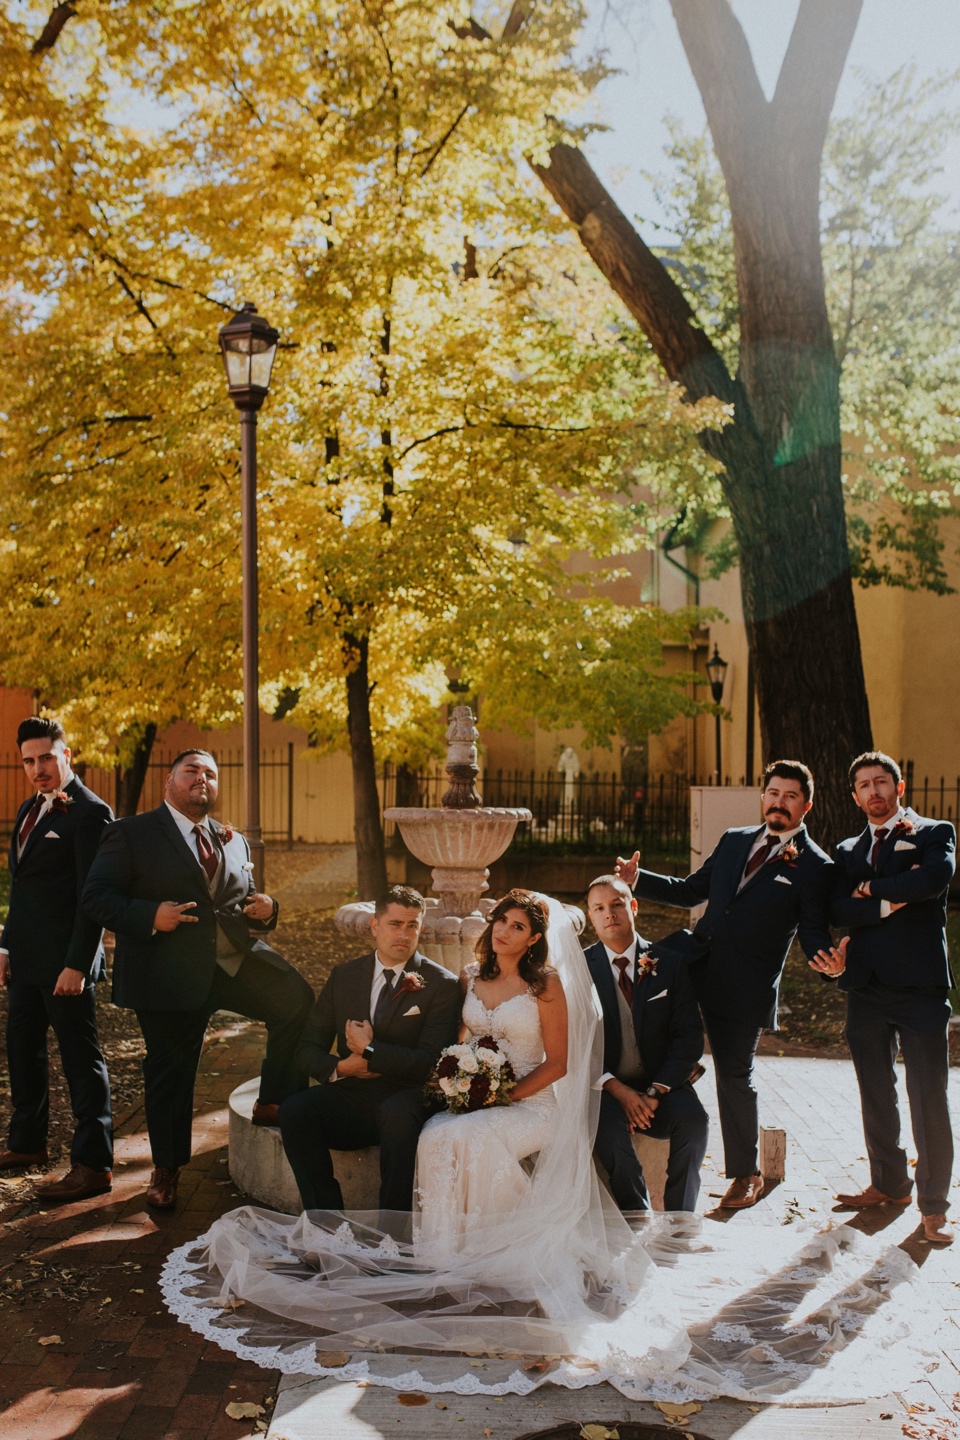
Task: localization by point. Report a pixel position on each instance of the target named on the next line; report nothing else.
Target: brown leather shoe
(745, 1191)
(15, 1159)
(934, 1230)
(266, 1114)
(162, 1194)
(79, 1183)
(871, 1196)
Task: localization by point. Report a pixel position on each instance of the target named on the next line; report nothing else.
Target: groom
(762, 885)
(390, 1014)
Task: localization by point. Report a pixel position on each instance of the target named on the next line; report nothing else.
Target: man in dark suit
(177, 961)
(390, 1014)
(891, 893)
(652, 1041)
(761, 884)
(51, 957)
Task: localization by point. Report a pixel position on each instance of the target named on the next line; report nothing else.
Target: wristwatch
(653, 1092)
(368, 1050)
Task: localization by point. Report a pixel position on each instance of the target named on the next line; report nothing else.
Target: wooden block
(773, 1153)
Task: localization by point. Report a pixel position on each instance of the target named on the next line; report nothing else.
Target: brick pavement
(124, 1368)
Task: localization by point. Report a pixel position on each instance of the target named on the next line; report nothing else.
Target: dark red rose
(479, 1092)
(488, 1042)
(447, 1067)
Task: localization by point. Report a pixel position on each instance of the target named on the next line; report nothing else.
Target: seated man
(390, 1013)
(653, 1039)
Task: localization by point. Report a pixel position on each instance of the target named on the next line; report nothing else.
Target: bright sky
(642, 40)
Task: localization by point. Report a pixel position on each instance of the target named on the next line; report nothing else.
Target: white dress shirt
(783, 837)
(186, 826)
(631, 973)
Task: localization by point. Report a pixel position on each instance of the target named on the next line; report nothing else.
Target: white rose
(448, 1086)
(494, 1085)
(457, 1050)
(487, 1056)
(469, 1063)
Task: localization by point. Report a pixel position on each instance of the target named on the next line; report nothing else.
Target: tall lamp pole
(248, 344)
(717, 673)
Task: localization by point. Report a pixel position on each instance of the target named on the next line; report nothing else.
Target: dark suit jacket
(405, 1045)
(740, 943)
(909, 948)
(144, 860)
(665, 1017)
(47, 929)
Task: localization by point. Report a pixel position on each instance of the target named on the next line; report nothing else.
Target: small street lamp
(248, 344)
(717, 673)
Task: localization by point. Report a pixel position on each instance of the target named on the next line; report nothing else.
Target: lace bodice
(514, 1024)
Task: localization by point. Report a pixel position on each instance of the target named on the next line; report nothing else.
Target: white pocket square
(661, 996)
(51, 835)
(247, 865)
(904, 845)
(414, 1010)
(782, 880)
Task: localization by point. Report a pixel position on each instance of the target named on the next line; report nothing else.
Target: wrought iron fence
(276, 788)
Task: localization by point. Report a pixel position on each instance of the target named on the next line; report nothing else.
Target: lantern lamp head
(717, 673)
(248, 344)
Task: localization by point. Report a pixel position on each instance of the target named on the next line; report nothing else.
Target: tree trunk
(368, 831)
(781, 450)
(130, 781)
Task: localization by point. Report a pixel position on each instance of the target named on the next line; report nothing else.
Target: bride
(516, 1267)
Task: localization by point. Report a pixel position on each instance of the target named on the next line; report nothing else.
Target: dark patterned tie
(761, 856)
(878, 838)
(207, 854)
(622, 963)
(383, 999)
(31, 818)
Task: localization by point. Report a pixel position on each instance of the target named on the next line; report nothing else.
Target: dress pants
(350, 1114)
(31, 1011)
(877, 1015)
(282, 999)
(733, 1045)
(682, 1120)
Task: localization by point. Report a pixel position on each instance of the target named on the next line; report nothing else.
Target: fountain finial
(462, 736)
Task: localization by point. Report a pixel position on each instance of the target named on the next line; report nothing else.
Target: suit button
(727, 911)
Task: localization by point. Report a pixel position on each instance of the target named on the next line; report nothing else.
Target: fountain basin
(458, 845)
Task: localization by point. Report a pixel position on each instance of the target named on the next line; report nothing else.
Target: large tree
(780, 451)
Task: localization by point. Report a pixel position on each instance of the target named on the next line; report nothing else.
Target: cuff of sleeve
(333, 1077)
(884, 909)
(607, 1075)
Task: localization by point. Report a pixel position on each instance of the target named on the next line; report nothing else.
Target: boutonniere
(412, 980)
(788, 853)
(61, 800)
(225, 831)
(904, 827)
(646, 965)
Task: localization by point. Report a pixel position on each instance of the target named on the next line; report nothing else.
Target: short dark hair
(404, 895)
(613, 880)
(874, 757)
(790, 770)
(193, 751)
(40, 727)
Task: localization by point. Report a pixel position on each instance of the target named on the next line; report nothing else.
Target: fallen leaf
(231, 1304)
(138, 1292)
(676, 1413)
(887, 1415)
(333, 1359)
(106, 1300)
(536, 1367)
(599, 1432)
(439, 1405)
(476, 1364)
(49, 1340)
(243, 1410)
(412, 1397)
(488, 1433)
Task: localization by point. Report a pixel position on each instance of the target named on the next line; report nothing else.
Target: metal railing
(276, 788)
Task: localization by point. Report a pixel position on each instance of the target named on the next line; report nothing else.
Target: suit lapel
(641, 989)
(39, 830)
(602, 973)
(889, 847)
(21, 816)
(744, 852)
(412, 967)
(182, 850)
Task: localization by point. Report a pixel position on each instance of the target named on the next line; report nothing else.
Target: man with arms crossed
(761, 884)
(652, 1041)
(51, 957)
(891, 885)
(390, 1014)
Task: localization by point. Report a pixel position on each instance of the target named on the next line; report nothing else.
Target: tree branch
(50, 33)
(719, 56)
(819, 44)
(635, 273)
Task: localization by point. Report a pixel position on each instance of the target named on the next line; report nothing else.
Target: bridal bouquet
(472, 1076)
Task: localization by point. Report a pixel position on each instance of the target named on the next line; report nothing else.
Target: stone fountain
(459, 839)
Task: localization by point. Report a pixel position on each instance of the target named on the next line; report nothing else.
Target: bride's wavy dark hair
(534, 967)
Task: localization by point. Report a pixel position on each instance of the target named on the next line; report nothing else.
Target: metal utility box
(714, 809)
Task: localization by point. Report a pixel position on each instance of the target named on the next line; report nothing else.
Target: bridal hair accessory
(412, 980)
(472, 1076)
(61, 800)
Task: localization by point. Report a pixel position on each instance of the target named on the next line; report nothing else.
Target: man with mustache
(177, 889)
(762, 886)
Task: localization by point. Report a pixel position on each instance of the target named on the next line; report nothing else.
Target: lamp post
(717, 673)
(248, 344)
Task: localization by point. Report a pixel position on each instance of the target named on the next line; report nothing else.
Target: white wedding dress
(516, 1268)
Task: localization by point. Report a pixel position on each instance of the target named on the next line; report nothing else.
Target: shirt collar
(887, 824)
(48, 797)
(782, 837)
(184, 823)
(379, 968)
(631, 950)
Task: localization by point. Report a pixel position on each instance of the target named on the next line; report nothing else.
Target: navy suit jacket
(909, 947)
(665, 1017)
(739, 944)
(144, 860)
(46, 929)
(418, 1023)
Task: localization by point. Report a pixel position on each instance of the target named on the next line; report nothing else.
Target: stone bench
(259, 1167)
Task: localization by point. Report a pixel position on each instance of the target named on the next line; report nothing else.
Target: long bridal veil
(559, 1287)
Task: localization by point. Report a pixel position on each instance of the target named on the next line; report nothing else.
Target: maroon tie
(622, 963)
(878, 838)
(759, 858)
(207, 854)
(31, 818)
